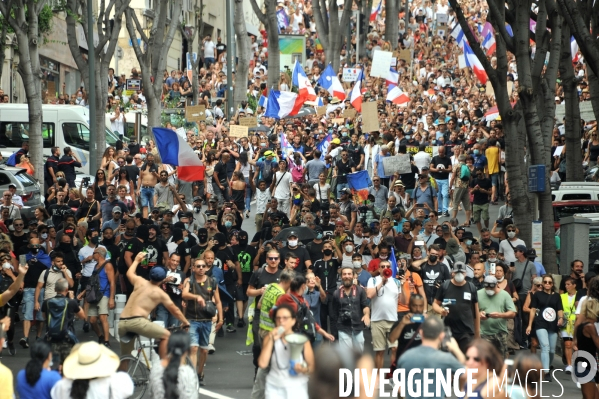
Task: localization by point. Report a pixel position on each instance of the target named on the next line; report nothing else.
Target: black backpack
(93, 290)
(57, 309)
(305, 320)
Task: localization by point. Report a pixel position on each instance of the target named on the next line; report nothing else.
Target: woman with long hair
(108, 160)
(244, 167)
(238, 191)
(89, 208)
(485, 361)
(587, 341)
(37, 379)
(172, 378)
(74, 201)
(276, 353)
(123, 180)
(211, 162)
(42, 216)
(99, 186)
(547, 313)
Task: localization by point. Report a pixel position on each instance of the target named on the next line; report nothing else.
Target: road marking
(213, 394)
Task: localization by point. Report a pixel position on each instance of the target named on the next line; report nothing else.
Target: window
(24, 179)
(76, 135)
(12, 134)
(4, 179)
(570, 210)
(576, 196)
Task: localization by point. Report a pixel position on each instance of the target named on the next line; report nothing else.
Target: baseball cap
(117, 209)
(158, 273)
(425, 168)
(339, 223)
(169, 212)
(348, 238)
(292, 233)
(532, 253)
(269, 154)
(395, 211)
(490, 280)
(335, 141)
(459, 267)
(520, 248)
(213, 199)
(212, 217)
(197, 199)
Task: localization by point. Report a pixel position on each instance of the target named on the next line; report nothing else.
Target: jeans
(341, 186)
(547, 340)
(208, 61)
(351, 341)
(163, 315)
(221, 195)
(147, 197)
(199, 333)
(29, 312)
(248, 194)
(443, 195)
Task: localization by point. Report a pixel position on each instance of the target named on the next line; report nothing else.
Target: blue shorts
(29, 304)
(147, 197)
(494, 179)
(199, 332)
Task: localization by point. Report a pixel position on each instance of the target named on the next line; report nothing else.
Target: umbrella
(260, 128)
(306, 111)
(302, 233)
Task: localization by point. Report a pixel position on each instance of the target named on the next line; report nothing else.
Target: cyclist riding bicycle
(146, 296)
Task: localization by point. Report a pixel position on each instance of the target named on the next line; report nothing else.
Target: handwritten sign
(249, 121)
(432, 151)
(370, 117)
(462, 61)
(195, 113)
(397, 163)
(349, 113)
(238, 131)
(381, 63)
(405, 55)
(350, 74)
(442, 18)
(321, 110)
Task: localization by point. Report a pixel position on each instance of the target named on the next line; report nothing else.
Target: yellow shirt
(7, 391)
(492, 154)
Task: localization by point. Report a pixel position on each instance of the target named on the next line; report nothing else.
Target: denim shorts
(199, 332)
(29, 304)
(147, 197)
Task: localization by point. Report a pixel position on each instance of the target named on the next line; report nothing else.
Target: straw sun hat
(90, 360)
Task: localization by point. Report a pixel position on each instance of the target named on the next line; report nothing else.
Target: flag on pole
(283, 19)
(262, 101)
(324, 145)
(489, 43)
(458, 34)
(174, 150)
(356, 93)
(474, 63)
(574, 49)
(301, 81)
(376, 9)
(396, 96)
(330, 82)
(280, 104)
(393, 262)
(286, 148)
(392, 77)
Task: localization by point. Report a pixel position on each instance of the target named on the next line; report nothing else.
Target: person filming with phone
(350, 311)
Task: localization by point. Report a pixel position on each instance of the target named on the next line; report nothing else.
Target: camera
(345, 317)
(85, 181)
(401, 273)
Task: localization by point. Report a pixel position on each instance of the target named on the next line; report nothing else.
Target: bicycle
(139, 370)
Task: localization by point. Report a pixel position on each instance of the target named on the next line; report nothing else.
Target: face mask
(55, 268)
(79, 98)
(492, 260)
(476, 152)
(185, 239)
(6, 265)
(44, 236)
(468, 242)
(292, 243)
(408, 137)
(501, 279)
(344, 134)
(228, 224)
(319, 236)
(186, 226)
(490, 292)
(511, 234)
(357, 264)
(203, 239)
(327, 252)
(262, 144)
(197, 209)
(459, 277)
(349, 248)
(383, 257)
(433, 258)
(95, 240)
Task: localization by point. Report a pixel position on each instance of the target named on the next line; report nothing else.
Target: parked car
(576, 191)
(27, 187)
(562, 209)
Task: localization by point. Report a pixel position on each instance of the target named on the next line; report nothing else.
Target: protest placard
(349, 113)
(442, 18)
(321, 110)
(350, 74)
(462, 61)
(238, 131)
(133, 84)
(381, 63)
(370, 117)
(249, 121)
(196, 113)
(405, 55)
(397, 163)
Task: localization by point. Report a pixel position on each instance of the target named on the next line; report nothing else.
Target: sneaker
(446, 214)
(106, 344)
(211, 349)
(24, 342)
(220, 332)
(230, 328)
(101, 339)
(578, 385)
(11, 349)
(569, 369)
(240, 323)
(547, 377)
(247, 215)
(201, 378)
(86, 326)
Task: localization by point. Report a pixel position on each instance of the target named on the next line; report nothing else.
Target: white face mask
(6, 265)
(292, 243)
(459, 277)
(349, 248)
(492, 260)
(357, 264)
(490, 292)
(511, 234)
(44, 236)
(499, 280)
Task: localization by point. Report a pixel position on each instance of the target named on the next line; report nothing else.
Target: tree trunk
(566, 72)
(329, 28)
(274, 58)
(594, 91)
(3, 34)
(392, 22)
(243, 56)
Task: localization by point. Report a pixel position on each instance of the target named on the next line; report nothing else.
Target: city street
(229, 372)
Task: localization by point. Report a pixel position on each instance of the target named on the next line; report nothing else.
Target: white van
(130, 125)
(62, 126)
(576, 190)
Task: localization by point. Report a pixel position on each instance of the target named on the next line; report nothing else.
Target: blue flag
(393, 263)
(324, 145)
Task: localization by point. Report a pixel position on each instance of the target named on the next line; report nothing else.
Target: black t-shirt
(56, 212)
(220, 260)
(262, 277)
(446, 162)
(122, 245)
(355, 152)
(327, 271)
(183, 251)
(430, 274)
(547, 307)
(156, 249)
(315, 251)
(409, 179)
(132, 173)
(562, 284)
(343, 169)
(300, 252)
(481, 198)
(84, 210)
(19, 242)
(245, 257)
(197, 250)
(33, 274)
(135, 246)
(407, 340)
(461, 315)
(221, 170)
(491, 245)
(220, 48)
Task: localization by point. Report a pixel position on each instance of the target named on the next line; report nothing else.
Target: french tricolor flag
(489, 43)
(574, 49)
(392, 78)
(262, 101)
(330, 82)
(396, 96)
(356, 93)
(376, 9)
(473, 63)
(280, 104)
(301, 81)
(458, 34)
(174, 150)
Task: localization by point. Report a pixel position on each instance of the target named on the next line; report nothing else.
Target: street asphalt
(229, 372)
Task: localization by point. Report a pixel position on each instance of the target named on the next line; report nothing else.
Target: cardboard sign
(133, 84)
(350, 74)
(349, 113)
(238, 131)
(405, 55)
(462, 61)
(370, 117)
(397, 163)
(381, 63)
(442, 18)
(338, 121)
(510, 87)
(441, 33)
(321, 110)
(432, 151)
(248, 121)
(51, 87)
(196, 113)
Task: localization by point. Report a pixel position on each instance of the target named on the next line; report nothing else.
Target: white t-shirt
(422, 159)
(118, 125)
(88, 268)
(384, 303)
(282, 181)
(209, 49)
(508, 252)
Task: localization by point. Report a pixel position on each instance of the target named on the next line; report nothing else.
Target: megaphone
(296, 345)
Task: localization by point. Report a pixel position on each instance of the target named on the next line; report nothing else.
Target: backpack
(57, 309)
(464, 172)
(12, 160)
(93, 290)
(305, 320)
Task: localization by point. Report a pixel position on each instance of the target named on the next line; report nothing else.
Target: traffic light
(362, 23)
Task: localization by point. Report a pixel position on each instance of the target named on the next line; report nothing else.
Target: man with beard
(181, 248)
(245, 255)
(327, 270)
(406, 332)
(156, 248)
(173, 286)
(202, 245)
(108, 241)
(351, 312)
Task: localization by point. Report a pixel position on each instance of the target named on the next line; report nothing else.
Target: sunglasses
(273, 258)
(548, 282)
(489, 285)
(18, 225)
(385, 267)
(476, 358)
(201, 267)
(511, 231)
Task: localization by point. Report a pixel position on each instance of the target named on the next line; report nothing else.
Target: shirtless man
(148, 175)
(146, 296)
